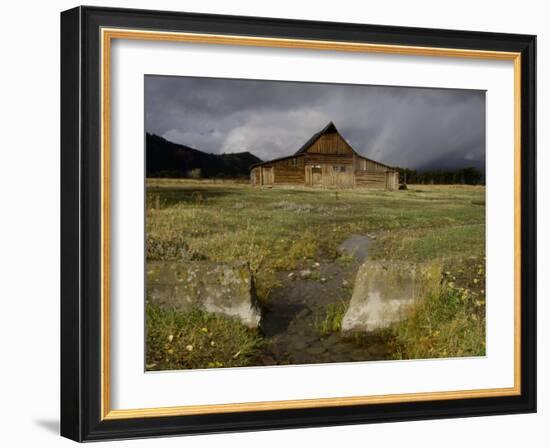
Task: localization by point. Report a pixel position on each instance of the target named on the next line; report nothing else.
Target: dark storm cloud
(402, 126)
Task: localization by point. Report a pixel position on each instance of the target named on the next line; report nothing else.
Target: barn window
(363, 164)
(293, 163)
(339, 168)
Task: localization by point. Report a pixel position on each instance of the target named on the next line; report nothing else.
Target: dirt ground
(291, 323)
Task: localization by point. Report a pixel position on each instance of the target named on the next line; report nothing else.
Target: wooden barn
(325, 160)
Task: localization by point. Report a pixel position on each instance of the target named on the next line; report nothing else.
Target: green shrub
(332, 322)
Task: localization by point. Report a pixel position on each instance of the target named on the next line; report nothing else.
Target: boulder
(220, 288)
(384, 291)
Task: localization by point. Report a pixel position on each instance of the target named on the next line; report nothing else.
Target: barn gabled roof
(278, 159)
(330, 128)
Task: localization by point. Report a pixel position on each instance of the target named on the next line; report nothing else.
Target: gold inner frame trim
(107, 35)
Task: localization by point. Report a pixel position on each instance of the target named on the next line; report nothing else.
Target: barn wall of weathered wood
(289, 171)
(363, 164)
(370, 179)
(330, 144)
(329, 176)
(332, 159)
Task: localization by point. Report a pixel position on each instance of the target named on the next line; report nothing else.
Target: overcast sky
(401, 126)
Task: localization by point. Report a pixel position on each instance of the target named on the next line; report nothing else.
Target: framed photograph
(277, 224)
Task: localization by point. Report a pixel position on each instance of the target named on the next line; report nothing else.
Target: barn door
(316, 176)
(342, 176)
(267, 176)
(392, 181)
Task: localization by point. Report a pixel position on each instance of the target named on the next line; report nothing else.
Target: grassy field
(197, 340)
(280, 229)
(449, 322)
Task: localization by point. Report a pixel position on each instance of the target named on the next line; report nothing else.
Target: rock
(316, 265)
(345, 283)
(305, 273)
(383, 293)
(292, 276)
(323, 279)
(220, 288)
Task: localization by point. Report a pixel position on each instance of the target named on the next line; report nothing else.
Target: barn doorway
(267, 176)
(316, 176)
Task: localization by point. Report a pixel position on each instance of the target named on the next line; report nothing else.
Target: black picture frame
(81, 224)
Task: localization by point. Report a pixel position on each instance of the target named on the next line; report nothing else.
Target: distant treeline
(167, 159)
(468, 176)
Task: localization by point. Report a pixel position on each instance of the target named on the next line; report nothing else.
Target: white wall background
(29, 228)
